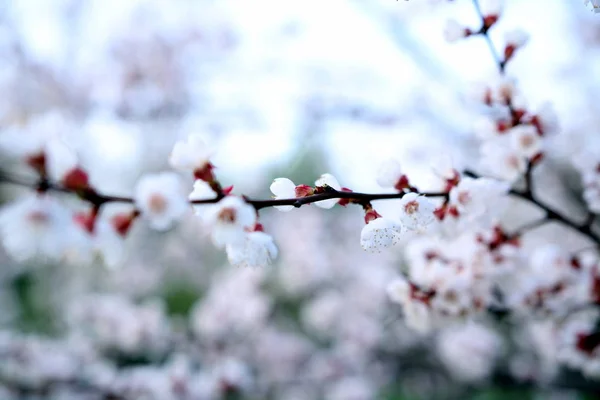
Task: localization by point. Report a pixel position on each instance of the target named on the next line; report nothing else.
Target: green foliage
(34, 315)
(180, 298)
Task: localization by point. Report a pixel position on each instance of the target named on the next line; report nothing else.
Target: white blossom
(191, 154)
(578, 346)
(379, 234)
(416, 211)
(327, 180)
(32, 138)
(389, 173)
(491, 7)
(234, 304)
(516, 38)
(283, 188)
(473, 197)
(351, 388)
(160, 199)
(323, 312)
(591, 195)
(504, 90)
(229, 220)
(233, 373)
(525, 140)
(257, 250)
(108, 243)
(113, 322)
(37, 227)
(502, 161)
(453, 31)
(201, 191)
(547, 119)
(485, 128)
(469, 351)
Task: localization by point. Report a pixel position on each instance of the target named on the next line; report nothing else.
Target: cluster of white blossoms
(578, 342)
(316, 319)
(470, 351)
(514, 137)
(40, 226)
(587, 162)
(31, 364)
(115, 324)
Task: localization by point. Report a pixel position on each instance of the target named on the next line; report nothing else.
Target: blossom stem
(484, 31)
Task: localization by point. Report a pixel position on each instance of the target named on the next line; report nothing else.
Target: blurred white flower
(321, 313)
(470, 351)
(192, 154)
(516, 38)
(234, 305)
(283, 188)
(491, 7)
(379, 234)
(327, 180)
(473, 197)
(485, 128)
(160, 199)
(38, 227)
(32, 139)
(201, 191)
(502, 161)
(233, 374)
(113, 322)
(453, 31)
(504, 90)
(579, 343)
(416, 211)
(389, 173)
(229, 220)
(525, 140)
(108, 243)
(351, 388)
(257, 250)
(547, 120)
(591, 195)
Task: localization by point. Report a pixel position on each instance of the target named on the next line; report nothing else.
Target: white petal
(327, 180)
(379, 234)
(283, 188)
(389, 173)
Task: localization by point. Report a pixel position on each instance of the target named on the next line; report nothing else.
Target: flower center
(227, 215)
(38, 217)
(464, 197)
(157, 203)
(513, 162)
(527, 141)
(411, 207)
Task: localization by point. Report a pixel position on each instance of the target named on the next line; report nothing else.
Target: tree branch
(98, 199)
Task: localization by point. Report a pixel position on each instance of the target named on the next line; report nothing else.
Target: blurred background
(292, 89)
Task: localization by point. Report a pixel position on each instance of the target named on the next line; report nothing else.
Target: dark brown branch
(98, 199)
(583, 228)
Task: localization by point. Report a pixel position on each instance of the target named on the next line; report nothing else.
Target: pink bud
(86, 221)
(122, 222)
(38, 163)
(371, 215)
(304, 190)
(345, 202)
(205, 173)
(76, 179)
